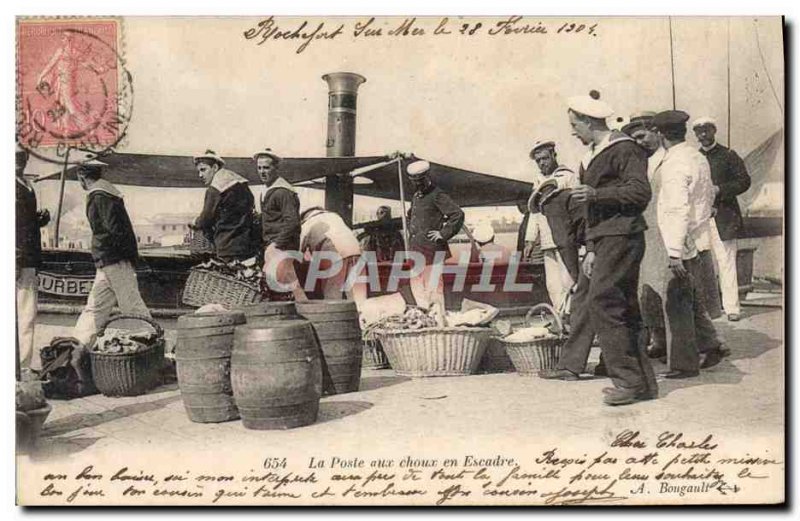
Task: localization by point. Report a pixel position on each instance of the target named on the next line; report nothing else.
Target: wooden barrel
(265, 312)
(276, 372)
(203, 360)
(339, 336)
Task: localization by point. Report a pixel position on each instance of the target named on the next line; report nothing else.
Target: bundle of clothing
(248, 270)
(66, 369)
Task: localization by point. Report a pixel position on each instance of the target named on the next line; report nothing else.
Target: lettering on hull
(65, 286)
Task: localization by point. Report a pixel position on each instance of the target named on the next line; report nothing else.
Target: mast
(730, 144)
(402, 202)
(61, 196)
(672, 63)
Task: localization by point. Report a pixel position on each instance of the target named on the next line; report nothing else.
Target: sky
(476, 102)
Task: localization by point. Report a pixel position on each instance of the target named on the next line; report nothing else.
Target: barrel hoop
(201, 332)
(273, 334)
(194, 321)
(245, 361)
(270, 405)
(217, 388)
(201, 358)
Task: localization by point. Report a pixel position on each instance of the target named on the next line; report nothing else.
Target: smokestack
(342, 101)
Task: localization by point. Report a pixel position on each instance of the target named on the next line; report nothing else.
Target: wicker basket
(199, 244)
(541, 354)
(210, 287)
(435, 351)
(129, 374)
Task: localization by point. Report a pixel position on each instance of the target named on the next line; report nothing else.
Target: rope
(764, 64)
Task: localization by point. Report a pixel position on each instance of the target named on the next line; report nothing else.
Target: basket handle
(545, 307)
(158, 329)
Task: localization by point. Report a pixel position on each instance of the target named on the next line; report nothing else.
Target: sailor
(653, 273)
(489, 250)
(114, 252)
(433, 219)
(280, 227)
(28, 260)
(551, 223)
(382, 236)
(615, 192)
(729, 174)
(227, 216)
(684, 206)
(324, 231)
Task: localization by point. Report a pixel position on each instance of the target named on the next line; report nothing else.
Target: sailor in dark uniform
(729, 174)
(227, 216)
(280, 229)
(28, 259)
(615, 192)
(433, 219)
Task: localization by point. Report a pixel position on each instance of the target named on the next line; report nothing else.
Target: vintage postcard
(414, 260)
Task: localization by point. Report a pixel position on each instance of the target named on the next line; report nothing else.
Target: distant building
(163, 229)
(505, 225)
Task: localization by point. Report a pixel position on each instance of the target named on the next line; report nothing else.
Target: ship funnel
(341, 142)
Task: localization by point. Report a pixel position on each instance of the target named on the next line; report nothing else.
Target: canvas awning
(467, 188)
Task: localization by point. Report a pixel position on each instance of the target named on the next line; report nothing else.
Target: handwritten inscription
(305, 32)
(631, 468)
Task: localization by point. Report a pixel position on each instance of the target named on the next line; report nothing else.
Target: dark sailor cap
(670, 119)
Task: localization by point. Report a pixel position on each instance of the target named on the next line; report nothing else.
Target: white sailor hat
(418, 168)
(94, 162)
(590, 105)
(541, 144)
(543, 193)
(210, 154)
(704, 120)
(638, 120)
(268, 153)
(483, 233)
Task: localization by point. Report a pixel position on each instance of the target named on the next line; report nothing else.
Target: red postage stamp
(73, 90)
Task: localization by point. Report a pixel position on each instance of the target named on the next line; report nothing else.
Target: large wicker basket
(541, 354)
(210, 287)
(129, 374)
(435, 351)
